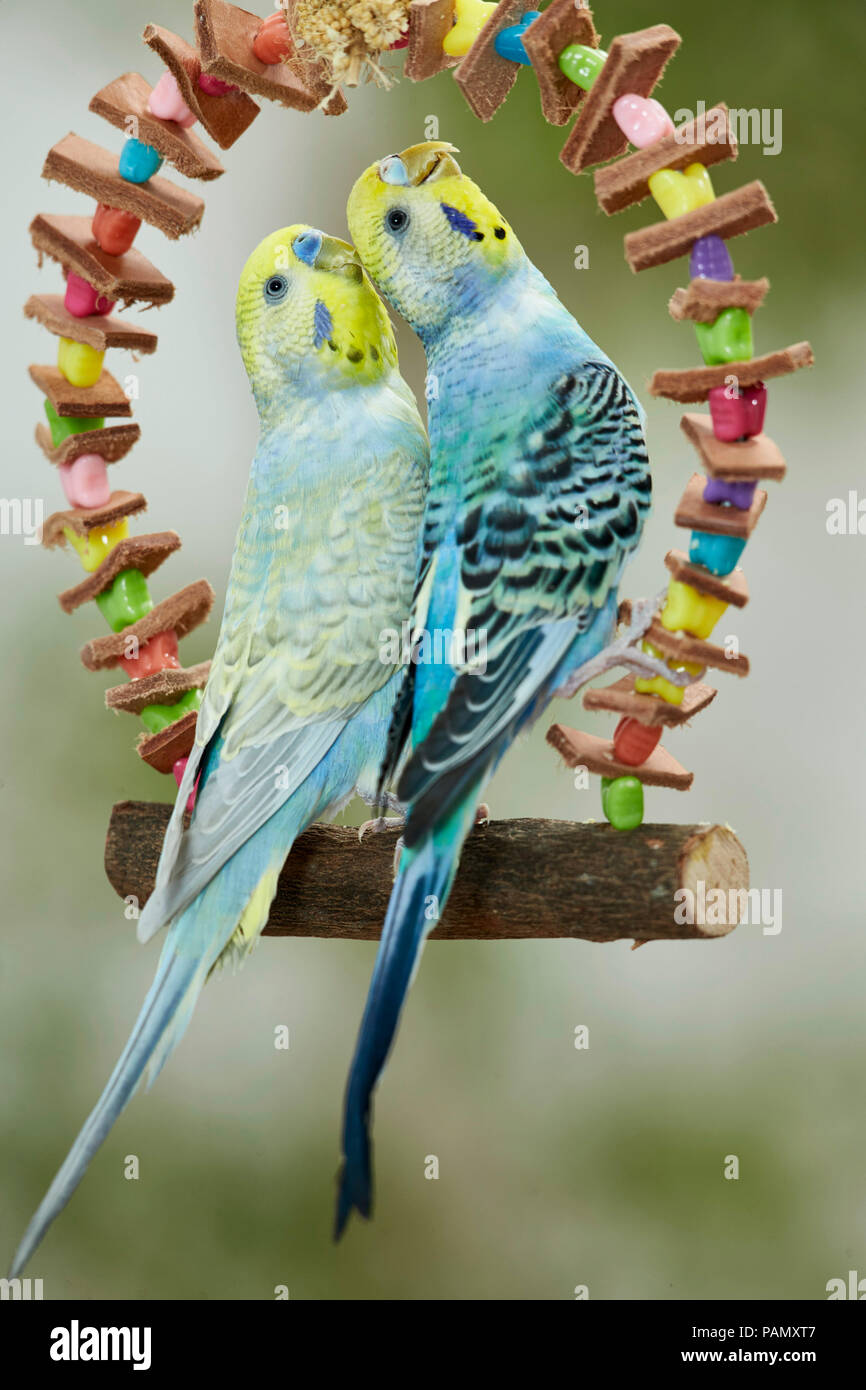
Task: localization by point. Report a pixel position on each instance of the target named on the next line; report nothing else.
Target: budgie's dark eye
(397, 220)
(276, 288)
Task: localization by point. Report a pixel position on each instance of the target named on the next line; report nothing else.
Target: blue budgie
(299, 700)
(539, 489)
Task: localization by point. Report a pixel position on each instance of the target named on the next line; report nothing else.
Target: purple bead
(723, 490)
(711, 260)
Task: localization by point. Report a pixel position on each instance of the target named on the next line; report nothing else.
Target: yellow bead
(470, 18)
(80, 363)
(687, 610)
(666, 690)
(93, 548)
(677, 192)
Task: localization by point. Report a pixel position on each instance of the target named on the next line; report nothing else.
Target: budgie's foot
(372, 827)
(482, 813)
(626, 651)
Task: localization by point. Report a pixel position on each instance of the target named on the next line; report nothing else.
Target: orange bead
(156, 655)
(113, 229)
(633, 742)
(273, 42)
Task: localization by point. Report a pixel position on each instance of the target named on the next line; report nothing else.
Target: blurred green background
(557, 1167)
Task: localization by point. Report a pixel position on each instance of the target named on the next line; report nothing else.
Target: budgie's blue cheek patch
(323, 324)
(461, 222)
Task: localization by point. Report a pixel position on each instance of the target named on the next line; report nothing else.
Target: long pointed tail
(193, 946)
(426, 875)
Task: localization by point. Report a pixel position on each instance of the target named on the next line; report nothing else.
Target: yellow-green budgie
(297, 707)
(539, 488)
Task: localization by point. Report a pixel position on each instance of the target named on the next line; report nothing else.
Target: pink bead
(82, 300)
(85, 481)
(741, 417)
(642, 120)
(178, 770)
(166, 102)
(214, 86)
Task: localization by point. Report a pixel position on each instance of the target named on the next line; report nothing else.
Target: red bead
(740, 418)
(633, 742)
(273, 42)
(156, 655)
(113, 229)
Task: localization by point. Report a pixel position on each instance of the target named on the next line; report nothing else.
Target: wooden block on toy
(623, 699)
(97, 330)
(635, 63)
(83, 520)
(483, 77)
(182, 612)
(750, 459)
(107, 397)
(93, 170)
(161, 751)
(225, 118)
(144, 553)
(130, 278)
(563, 22)
(695, 383)
(429, 22)
(697, 515)
(596, 755)
(704, 300)
(731, 215)
(225, 36)
(707, 140)
(731, 588)
(113, 443)
(128, 96)
(162, 688)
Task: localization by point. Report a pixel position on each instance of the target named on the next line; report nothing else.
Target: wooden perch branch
(517, 878)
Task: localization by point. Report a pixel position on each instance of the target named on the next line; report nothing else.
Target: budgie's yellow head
(427, 234)
(306, 312)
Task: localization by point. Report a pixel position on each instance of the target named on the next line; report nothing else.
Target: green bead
(156, 717)
(582, 65)
(728, 339)
(126, 601)
(62, 427)
(622, 801)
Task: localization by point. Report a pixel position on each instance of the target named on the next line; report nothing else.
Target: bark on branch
(517, 878)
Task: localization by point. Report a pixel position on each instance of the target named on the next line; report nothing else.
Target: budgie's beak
(339, 257)
(420, 164)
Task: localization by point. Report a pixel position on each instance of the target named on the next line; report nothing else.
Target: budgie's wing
(544, 529)
(297, 657)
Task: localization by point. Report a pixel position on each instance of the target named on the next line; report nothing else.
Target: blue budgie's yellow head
(307, 315)
(428, 236)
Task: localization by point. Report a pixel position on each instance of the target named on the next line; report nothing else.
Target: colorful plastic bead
(581, 65)
(159, 654)
(509, 42)
(687, 610)
(81, 299)
(156, 717)
(711, 260)
(93, 548)
(740, 416)
(138, 162)
(633, 741)
(402, 42)
(214, 86)
(273, 42)
(80, 363)
(166, 102)
(126, 601)
(727, 339)
(62, 426)
(179, 769)
(642, 120)
(718, 554)
(85, 481)
(470, 17)
(113, 229)
(622, 802)
(722, 490)
(657, 685)
(681, 191)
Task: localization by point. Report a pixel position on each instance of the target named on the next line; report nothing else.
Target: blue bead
(138, 162)
(509, 42)
(718, 554)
